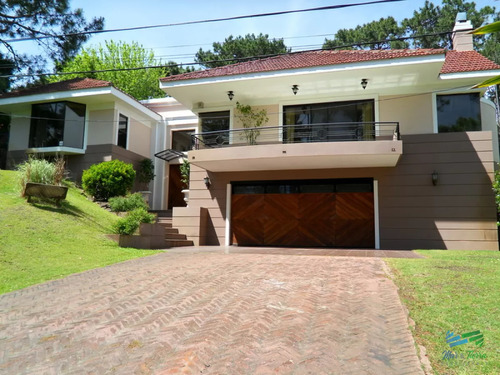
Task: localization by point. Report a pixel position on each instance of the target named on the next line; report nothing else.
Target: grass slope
(456, 291)
(39, 242)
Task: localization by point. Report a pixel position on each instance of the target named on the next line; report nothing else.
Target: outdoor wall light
(295, 89)
(434, 178)
(206, 180)
(364, 83)
(230, 95)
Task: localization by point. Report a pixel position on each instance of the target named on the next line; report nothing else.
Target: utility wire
(231, 60)
(258, 15)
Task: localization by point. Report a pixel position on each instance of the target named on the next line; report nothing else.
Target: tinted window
(215, 122)
(57, 124)
(122, 131)
(181, 140)
(458, 113)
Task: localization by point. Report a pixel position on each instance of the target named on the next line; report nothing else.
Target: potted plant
(185, 169)
(251, 120)
(145, 175)
(42, 179)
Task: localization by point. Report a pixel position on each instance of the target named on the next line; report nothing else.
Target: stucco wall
(100, 127)
(414, 112)
(20, 128)
(139, 138)
(458, 213)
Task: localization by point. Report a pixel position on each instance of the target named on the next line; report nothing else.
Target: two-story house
(376, 149)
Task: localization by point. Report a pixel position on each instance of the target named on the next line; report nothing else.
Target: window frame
(127, 131)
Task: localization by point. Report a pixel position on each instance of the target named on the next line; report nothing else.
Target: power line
(258, 15)
(231, 60)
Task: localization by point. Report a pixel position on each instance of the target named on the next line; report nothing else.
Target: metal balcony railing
(325, 132)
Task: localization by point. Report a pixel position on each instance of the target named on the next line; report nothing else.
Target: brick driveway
(211, 313)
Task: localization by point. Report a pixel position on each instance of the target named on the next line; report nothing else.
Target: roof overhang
(384, 76)
(84, 96)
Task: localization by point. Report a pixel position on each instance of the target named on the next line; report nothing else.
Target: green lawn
(40, 242)
(456, 291)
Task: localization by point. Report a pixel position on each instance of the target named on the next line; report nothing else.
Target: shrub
(128, 203)
(41, 171)
(130, 223)
(146, 173)
(185, 169)
(108, 179)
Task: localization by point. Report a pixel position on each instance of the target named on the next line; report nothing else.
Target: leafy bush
(496, 189)
(185, 169)
(130, 223)
(108, 179)
(41, 171)
(127, 203)
(145, 174)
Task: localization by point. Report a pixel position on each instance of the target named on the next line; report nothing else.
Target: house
(85, 120)
(376, 149)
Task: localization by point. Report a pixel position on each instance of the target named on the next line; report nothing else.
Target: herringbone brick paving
(211, 314)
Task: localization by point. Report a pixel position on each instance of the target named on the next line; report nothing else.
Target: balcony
(314, 146)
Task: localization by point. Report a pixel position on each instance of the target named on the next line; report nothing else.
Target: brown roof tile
(466, 61)
(306, 59)
(69, 85)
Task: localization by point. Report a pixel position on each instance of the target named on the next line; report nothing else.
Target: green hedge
(108, 179)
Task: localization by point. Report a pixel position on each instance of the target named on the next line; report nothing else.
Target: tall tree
(51, 23)
(429, 19)
(233, 49)
(115, 62)
(436, 19)
(377, 33)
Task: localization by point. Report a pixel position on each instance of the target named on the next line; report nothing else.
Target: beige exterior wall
(458, 213)
(100, 127)
(20, 129)
(414, 113)
(139, 138)
(489, 122)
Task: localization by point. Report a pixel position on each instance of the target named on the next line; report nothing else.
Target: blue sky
(180, 43)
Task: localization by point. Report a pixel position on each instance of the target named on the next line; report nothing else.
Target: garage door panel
(281, 222)
(355, 223)
(317, 219)
(247, 221)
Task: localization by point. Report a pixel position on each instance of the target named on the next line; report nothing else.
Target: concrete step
(171, 231)
(179, 243)
(175, 236)
(162, 213)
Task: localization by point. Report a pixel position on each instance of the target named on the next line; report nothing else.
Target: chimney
(461, 39)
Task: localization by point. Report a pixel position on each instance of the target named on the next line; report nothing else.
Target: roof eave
(435, 58)
(470, 74)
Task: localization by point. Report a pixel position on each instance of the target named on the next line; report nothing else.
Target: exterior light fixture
(206, 180)
(434, 178)
(295, 89)
(364, 83)
(230, 95)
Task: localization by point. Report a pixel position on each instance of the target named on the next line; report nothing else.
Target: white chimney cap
(461, 17)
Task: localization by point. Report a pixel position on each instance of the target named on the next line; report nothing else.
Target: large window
(57, 124)
(215, 122)
(329, 121)
(122, 131)
(458, 113)
(181, 140)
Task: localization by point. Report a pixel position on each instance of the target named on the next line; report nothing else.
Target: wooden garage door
(303, 219)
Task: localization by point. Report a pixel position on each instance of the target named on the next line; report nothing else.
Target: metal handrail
(323, 132)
